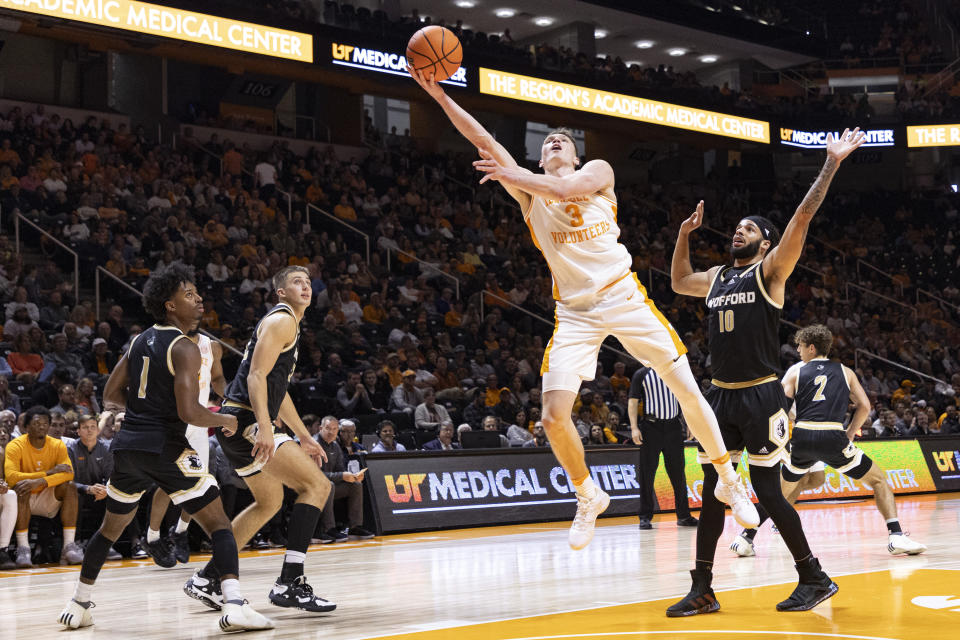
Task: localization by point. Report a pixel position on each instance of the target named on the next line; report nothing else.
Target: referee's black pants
(664, 436)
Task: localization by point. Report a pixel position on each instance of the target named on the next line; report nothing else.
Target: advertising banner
(818, 139)
(933, 135)
(351, 55)
(568, 96)
(156, 20)
(943, 458)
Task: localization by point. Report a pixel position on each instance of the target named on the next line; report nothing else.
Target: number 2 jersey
(822, 394)
(151, 418)
(743, 322)
(578, 237)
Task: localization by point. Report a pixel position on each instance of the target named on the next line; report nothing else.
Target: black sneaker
(814, 587)
(323, 538)
(180, 544)
(204, 589)
(6, 562)
(689, 521)
(299, 595)
(701, 598)
(645, 524)
(360, 533)
(160, 551)
(337, 535)
(276, 539)
(259, 542)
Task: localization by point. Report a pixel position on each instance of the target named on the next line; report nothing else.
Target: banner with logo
(933, 135)
(818, 139)
(943, 458)
(391, 62)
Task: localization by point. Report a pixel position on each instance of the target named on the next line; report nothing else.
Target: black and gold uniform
(152, 446)
(237, 447)
(822, 396)
(745, 391)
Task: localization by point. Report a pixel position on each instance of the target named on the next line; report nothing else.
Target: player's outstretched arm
(596, 175)
(782, 259)
(186, 386)
(683, 278)
(860, 400)
(472, 130)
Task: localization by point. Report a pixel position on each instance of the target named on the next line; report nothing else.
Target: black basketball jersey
(151, 415)
(822, 393)
(743, 322)
(277, 379)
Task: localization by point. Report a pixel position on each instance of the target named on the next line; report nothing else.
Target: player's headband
(767, 228)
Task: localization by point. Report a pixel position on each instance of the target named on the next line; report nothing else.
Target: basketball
(435, 50)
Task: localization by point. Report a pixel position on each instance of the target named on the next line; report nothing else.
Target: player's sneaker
(735, 495)
(24, 560)
(814, 587)
(581, 531)
(76, 615)
(206, 590)
(180, 545)
(743, 546)
(161, 552)
(299, 595)
(242, 617)
(71, 554)
(900, 543)
(6, 562)
(701, 598)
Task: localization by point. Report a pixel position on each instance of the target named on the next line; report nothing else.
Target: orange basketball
(436, 51)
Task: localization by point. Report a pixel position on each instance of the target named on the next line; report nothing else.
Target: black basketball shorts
(832, 446)
(752, 419)
(177, 470)
(237, 447)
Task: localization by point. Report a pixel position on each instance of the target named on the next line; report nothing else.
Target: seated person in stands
(429, 415)
(539, 437)
(346, 486)
(25, 364)
(8, 509)
(596, 435)
(444, 440)
(387, 432)
(39, 470)
(68, 400)
(352, 397)
(406, 396)
(92, 465)
(347, 439)
(8, 399)
(492, 423)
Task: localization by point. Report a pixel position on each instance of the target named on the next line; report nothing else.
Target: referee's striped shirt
(658, 401)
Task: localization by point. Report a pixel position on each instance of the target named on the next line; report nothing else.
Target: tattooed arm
(780, 262)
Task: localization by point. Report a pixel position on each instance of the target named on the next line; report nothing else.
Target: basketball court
(524, 582)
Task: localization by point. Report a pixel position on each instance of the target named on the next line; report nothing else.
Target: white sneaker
(900, 543)
(242, 617)
(735, 495)
(75, 615)
(581, 531)
(743, 546)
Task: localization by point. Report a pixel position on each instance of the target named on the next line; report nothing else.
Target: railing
(880, 271)
(871, 292)
(426, 265)
(366, 237)
(139, 294)
(874, 356)
(937, 298)
(17, 217)
(944, 77)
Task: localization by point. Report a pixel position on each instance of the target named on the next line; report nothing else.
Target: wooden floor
(524, 582)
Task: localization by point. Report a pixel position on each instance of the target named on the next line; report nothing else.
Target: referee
(660, 431)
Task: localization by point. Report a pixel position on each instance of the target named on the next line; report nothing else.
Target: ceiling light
(737, 8)
(676, 52)
(505, 13)
(465, 4)
(630, 63)
(644, 44)
(762, 21)
(708, 59)
(599, 34)
(543, 21)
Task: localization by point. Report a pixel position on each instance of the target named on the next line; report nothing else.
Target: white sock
(294, 557)
(181, 525)
(726, 472)
(69, 535)
(587, 488)
(23, 538)
(230, 588)
(83, 592)
(152, 535)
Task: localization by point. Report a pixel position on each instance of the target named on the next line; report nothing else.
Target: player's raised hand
(694, 221)
(428, 83)
(848, 142)
(489, 166)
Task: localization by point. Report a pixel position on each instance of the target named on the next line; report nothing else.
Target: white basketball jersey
(206, 367)
(578, 238)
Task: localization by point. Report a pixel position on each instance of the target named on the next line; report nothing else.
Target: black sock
(749, 534)
(94, 556)
(225, 558)
(766, 483)
(893, 526)
(209, 571)
(290, 571)
(703, 565)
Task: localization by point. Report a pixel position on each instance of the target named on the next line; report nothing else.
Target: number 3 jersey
(744, 322)
(151, 416)
(578, 237)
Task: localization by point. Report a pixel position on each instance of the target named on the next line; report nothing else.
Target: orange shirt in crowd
(23, 461)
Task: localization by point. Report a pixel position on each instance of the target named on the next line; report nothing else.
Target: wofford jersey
(822, 394)
(743, 322)
(151, 415)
